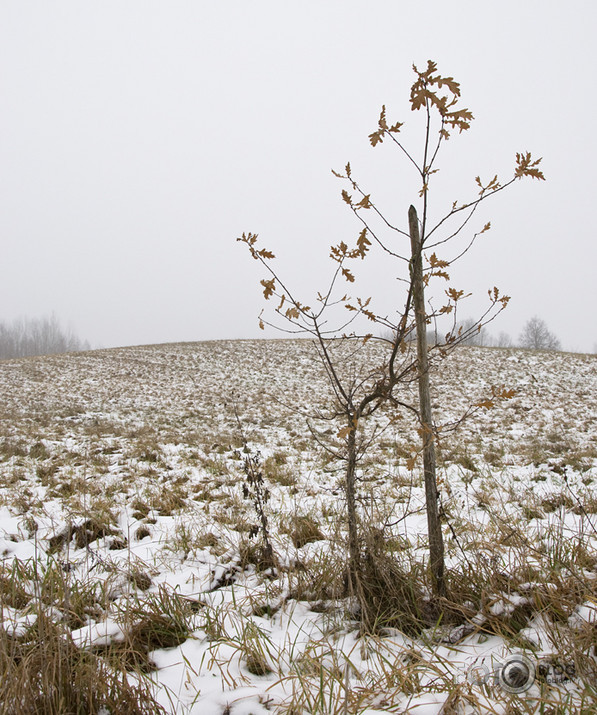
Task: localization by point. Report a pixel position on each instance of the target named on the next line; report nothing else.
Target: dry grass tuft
(303, 530)
(45, 672)
(395, 596)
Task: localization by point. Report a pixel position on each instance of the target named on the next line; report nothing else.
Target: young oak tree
(400, 354)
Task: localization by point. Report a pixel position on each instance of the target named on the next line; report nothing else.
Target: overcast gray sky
(139, 138)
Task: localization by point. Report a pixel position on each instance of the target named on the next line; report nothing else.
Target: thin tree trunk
(436, 542)
(354, 551)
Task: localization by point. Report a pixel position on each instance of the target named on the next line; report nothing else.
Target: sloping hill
(124, 520)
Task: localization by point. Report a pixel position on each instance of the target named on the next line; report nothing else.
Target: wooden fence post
(436, 542)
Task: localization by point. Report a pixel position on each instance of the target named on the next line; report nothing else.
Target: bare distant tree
(473, 333)
(503, 340)
(37, 336)
(537, 336)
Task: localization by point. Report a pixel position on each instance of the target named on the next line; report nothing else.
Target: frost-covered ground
(122, 518)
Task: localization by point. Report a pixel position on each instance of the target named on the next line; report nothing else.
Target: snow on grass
(123, 521)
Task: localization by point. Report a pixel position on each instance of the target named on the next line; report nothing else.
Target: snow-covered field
(123, 521)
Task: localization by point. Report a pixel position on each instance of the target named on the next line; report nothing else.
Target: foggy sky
(139, 138)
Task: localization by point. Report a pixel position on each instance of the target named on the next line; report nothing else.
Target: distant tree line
(37, 336)
(535, 336)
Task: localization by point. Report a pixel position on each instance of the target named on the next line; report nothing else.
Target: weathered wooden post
(436, 542)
